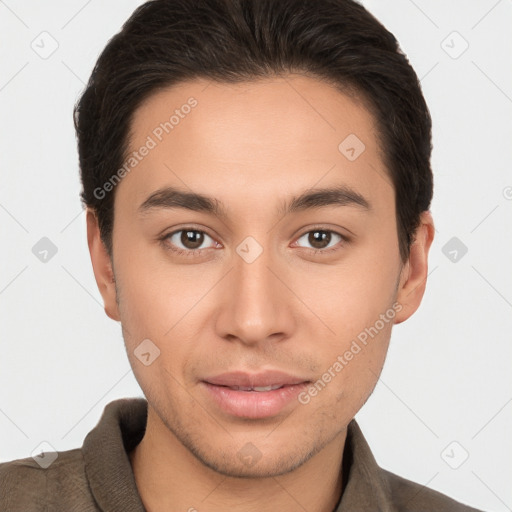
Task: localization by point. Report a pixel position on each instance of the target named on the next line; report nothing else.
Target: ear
(413, 278)
(102, 266)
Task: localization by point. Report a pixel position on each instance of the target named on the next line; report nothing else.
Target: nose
(257, 303)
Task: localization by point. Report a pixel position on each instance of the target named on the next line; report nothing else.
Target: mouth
(259, 389)
(254, 396)
(244, 381)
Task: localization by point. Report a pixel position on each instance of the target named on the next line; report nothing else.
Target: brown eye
(322, 240)
(187, 240)
(192, 239)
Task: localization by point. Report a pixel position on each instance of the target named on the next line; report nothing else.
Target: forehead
(267, 136)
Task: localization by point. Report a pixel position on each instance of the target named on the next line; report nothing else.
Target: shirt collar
(122, 426)
(366, 487)
(105, 451)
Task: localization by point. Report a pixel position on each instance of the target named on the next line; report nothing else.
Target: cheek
(155, 294)
(349, 297)
(163, 303)
(356, 301)
(350, 372)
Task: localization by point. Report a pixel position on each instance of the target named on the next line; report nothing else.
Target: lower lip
(253, 404)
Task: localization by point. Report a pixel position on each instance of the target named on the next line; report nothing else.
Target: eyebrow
(171, 197)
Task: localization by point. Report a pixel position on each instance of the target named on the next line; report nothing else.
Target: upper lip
(251, 380)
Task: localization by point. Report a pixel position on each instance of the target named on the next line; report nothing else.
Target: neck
(170, 478)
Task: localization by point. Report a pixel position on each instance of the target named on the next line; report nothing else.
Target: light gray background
(447, 376)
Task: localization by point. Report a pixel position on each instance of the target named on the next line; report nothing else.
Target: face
(286, 273)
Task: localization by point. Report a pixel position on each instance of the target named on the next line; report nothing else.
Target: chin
(233, 465)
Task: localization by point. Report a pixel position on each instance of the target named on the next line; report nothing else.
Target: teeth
(256, 388)
(266, 388)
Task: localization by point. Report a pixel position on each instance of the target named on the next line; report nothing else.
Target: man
(257, 181)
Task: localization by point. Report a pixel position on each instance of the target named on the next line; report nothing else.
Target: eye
(190, 241)
(323, 240)
(186, 241)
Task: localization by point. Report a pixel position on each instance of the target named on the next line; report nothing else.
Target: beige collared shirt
(99, 477)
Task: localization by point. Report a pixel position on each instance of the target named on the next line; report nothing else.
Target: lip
(249, 403)
(243, 379)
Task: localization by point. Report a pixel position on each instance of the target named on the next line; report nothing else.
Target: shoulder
(52, 483)
(408, 496)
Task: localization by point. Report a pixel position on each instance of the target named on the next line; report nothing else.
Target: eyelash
(198, 252)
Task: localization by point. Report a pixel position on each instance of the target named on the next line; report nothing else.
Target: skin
(253, 146)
